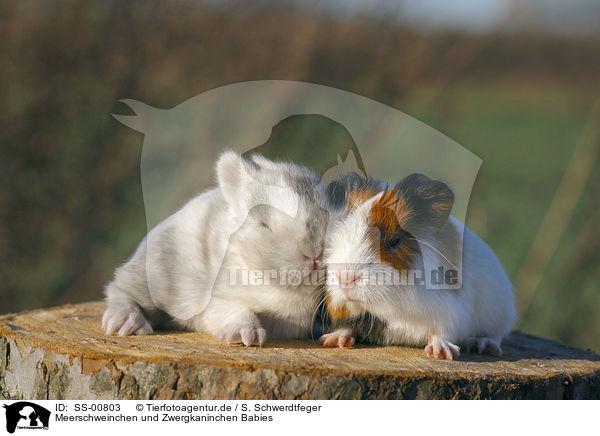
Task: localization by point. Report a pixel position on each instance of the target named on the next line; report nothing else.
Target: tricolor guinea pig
(385, 233)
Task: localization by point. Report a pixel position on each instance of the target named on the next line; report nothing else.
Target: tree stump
(62, 353)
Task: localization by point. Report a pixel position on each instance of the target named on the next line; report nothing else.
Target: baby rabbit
(393, 230)
(237, 261)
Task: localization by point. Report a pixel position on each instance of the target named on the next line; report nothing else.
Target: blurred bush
(71, 206)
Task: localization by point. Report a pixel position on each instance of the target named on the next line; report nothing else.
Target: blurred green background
(517, 85)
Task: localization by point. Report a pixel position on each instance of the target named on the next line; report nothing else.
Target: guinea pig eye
(395, 242)
(265, 225)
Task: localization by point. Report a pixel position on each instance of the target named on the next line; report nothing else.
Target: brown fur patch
(337, 313)
(389, 216)
(359, 196)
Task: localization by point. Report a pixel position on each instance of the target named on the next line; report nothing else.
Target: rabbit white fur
(264, 216)
(480, 313)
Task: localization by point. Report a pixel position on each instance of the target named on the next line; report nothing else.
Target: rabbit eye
(394, 243)
(264, 224)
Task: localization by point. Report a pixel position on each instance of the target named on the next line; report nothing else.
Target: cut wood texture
(62, 353)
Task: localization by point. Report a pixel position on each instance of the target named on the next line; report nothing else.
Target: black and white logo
(26, 415)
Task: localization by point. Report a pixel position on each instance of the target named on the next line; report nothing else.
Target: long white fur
(481, 312)
(183, 266)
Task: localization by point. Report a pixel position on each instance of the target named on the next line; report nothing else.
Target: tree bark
(62, 353)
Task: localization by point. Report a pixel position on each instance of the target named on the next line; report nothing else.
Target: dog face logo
(26, 415)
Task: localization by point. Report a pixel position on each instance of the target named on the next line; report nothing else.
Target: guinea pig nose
(348, 278)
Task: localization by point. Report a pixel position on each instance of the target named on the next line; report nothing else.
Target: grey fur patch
(316, 225)
(307, 185)
(338, 189)
(303, 184)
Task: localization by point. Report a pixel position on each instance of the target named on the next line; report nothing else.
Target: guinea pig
(239, 261)
(387, 232)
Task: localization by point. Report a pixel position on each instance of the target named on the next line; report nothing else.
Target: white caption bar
(297, 417)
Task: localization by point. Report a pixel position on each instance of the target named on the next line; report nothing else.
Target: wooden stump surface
(62, 353)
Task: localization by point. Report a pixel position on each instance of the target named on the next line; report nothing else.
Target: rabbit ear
(232, 176)
(142, 118)
(260, 161)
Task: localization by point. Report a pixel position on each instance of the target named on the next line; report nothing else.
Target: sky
(562, 17)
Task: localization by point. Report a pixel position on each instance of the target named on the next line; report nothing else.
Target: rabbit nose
(316, 263)
(347, 278)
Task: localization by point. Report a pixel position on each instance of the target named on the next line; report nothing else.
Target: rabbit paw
(339, 338)
(442, 349)
(489, 345)
(125, 319)
(247, 335)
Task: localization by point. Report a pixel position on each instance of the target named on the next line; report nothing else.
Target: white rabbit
(239, 261)
(391, 230)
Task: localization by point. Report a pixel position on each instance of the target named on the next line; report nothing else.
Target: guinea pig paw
(337, 339)
(246, 335)
(125, 321)
(441, 349)
(484, 345)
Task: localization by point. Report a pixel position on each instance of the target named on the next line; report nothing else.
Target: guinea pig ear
(232, 175)
(338, 189)
(431, 200)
